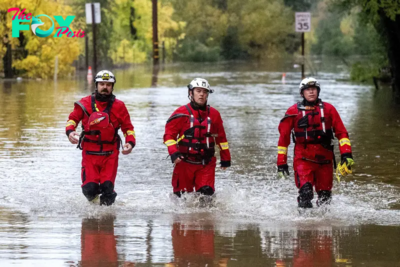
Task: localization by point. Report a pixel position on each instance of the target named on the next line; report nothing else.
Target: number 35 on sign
(303, 21)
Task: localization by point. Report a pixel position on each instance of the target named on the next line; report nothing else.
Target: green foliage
(103, 30)
(364, 33)
(139, 15)
(125, 33)
(128, 52)
(230, 46)
(345, 35)
(330, 38)
(204, 22)
(195, 51)
(298, 5)
(363, 71)
(210, 30)
(373, 8)
(263, 26)
(255, 28)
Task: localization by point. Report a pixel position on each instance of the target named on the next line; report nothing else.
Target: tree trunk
(391, 30)
(7, 62)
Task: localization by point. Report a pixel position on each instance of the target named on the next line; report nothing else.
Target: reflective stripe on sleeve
(344, 141)
(129, 132)
(170, 142)
(224, 146)
(71, 122)
(282, 150)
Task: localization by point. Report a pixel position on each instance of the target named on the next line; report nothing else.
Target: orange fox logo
(96, 121)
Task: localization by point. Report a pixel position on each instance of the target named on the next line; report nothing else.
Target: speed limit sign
(303, 21)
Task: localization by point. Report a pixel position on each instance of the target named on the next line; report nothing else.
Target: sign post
(155, 34)
(303, 24)
(93, 16)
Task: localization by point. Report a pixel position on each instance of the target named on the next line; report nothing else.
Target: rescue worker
(312, 124)
(313, 248)
(102, 115)
(191, 134)
(98, 242)
(193, 245)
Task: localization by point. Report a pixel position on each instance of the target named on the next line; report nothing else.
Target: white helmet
(200, 83)
(105, 76)
(309, 82)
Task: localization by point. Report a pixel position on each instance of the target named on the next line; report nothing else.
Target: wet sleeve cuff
(132, 144)
(346, 155)
(175, 156)
(225, 163)
(283, 167)
(68, 132)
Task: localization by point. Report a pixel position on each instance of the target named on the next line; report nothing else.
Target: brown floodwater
(46, 221)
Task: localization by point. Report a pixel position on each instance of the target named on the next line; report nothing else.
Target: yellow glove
(344, 167)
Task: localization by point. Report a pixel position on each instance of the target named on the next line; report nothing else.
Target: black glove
(283, 171)
(175, 156)
(345, 156)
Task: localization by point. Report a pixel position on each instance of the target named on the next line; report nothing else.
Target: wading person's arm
(285, 128)
(222, 142)
(343, 137)
(73, 120)
(128, 131)
(172, 130)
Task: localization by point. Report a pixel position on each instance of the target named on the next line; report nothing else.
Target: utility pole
(86, 52)
(163, 52)
(302, 55)
(94, 42)
(155, 34)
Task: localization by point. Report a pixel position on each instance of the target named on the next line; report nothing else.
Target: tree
(103, 30)
(299, 5)
(331, 40)
(385, 16)
(257, 28)
(263, 26)
(131, 39)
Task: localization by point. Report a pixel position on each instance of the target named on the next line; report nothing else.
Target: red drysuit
(192, 133)
(192, 246)
(98, 243)
(100, 159)
(313, 152)
(313, 249)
